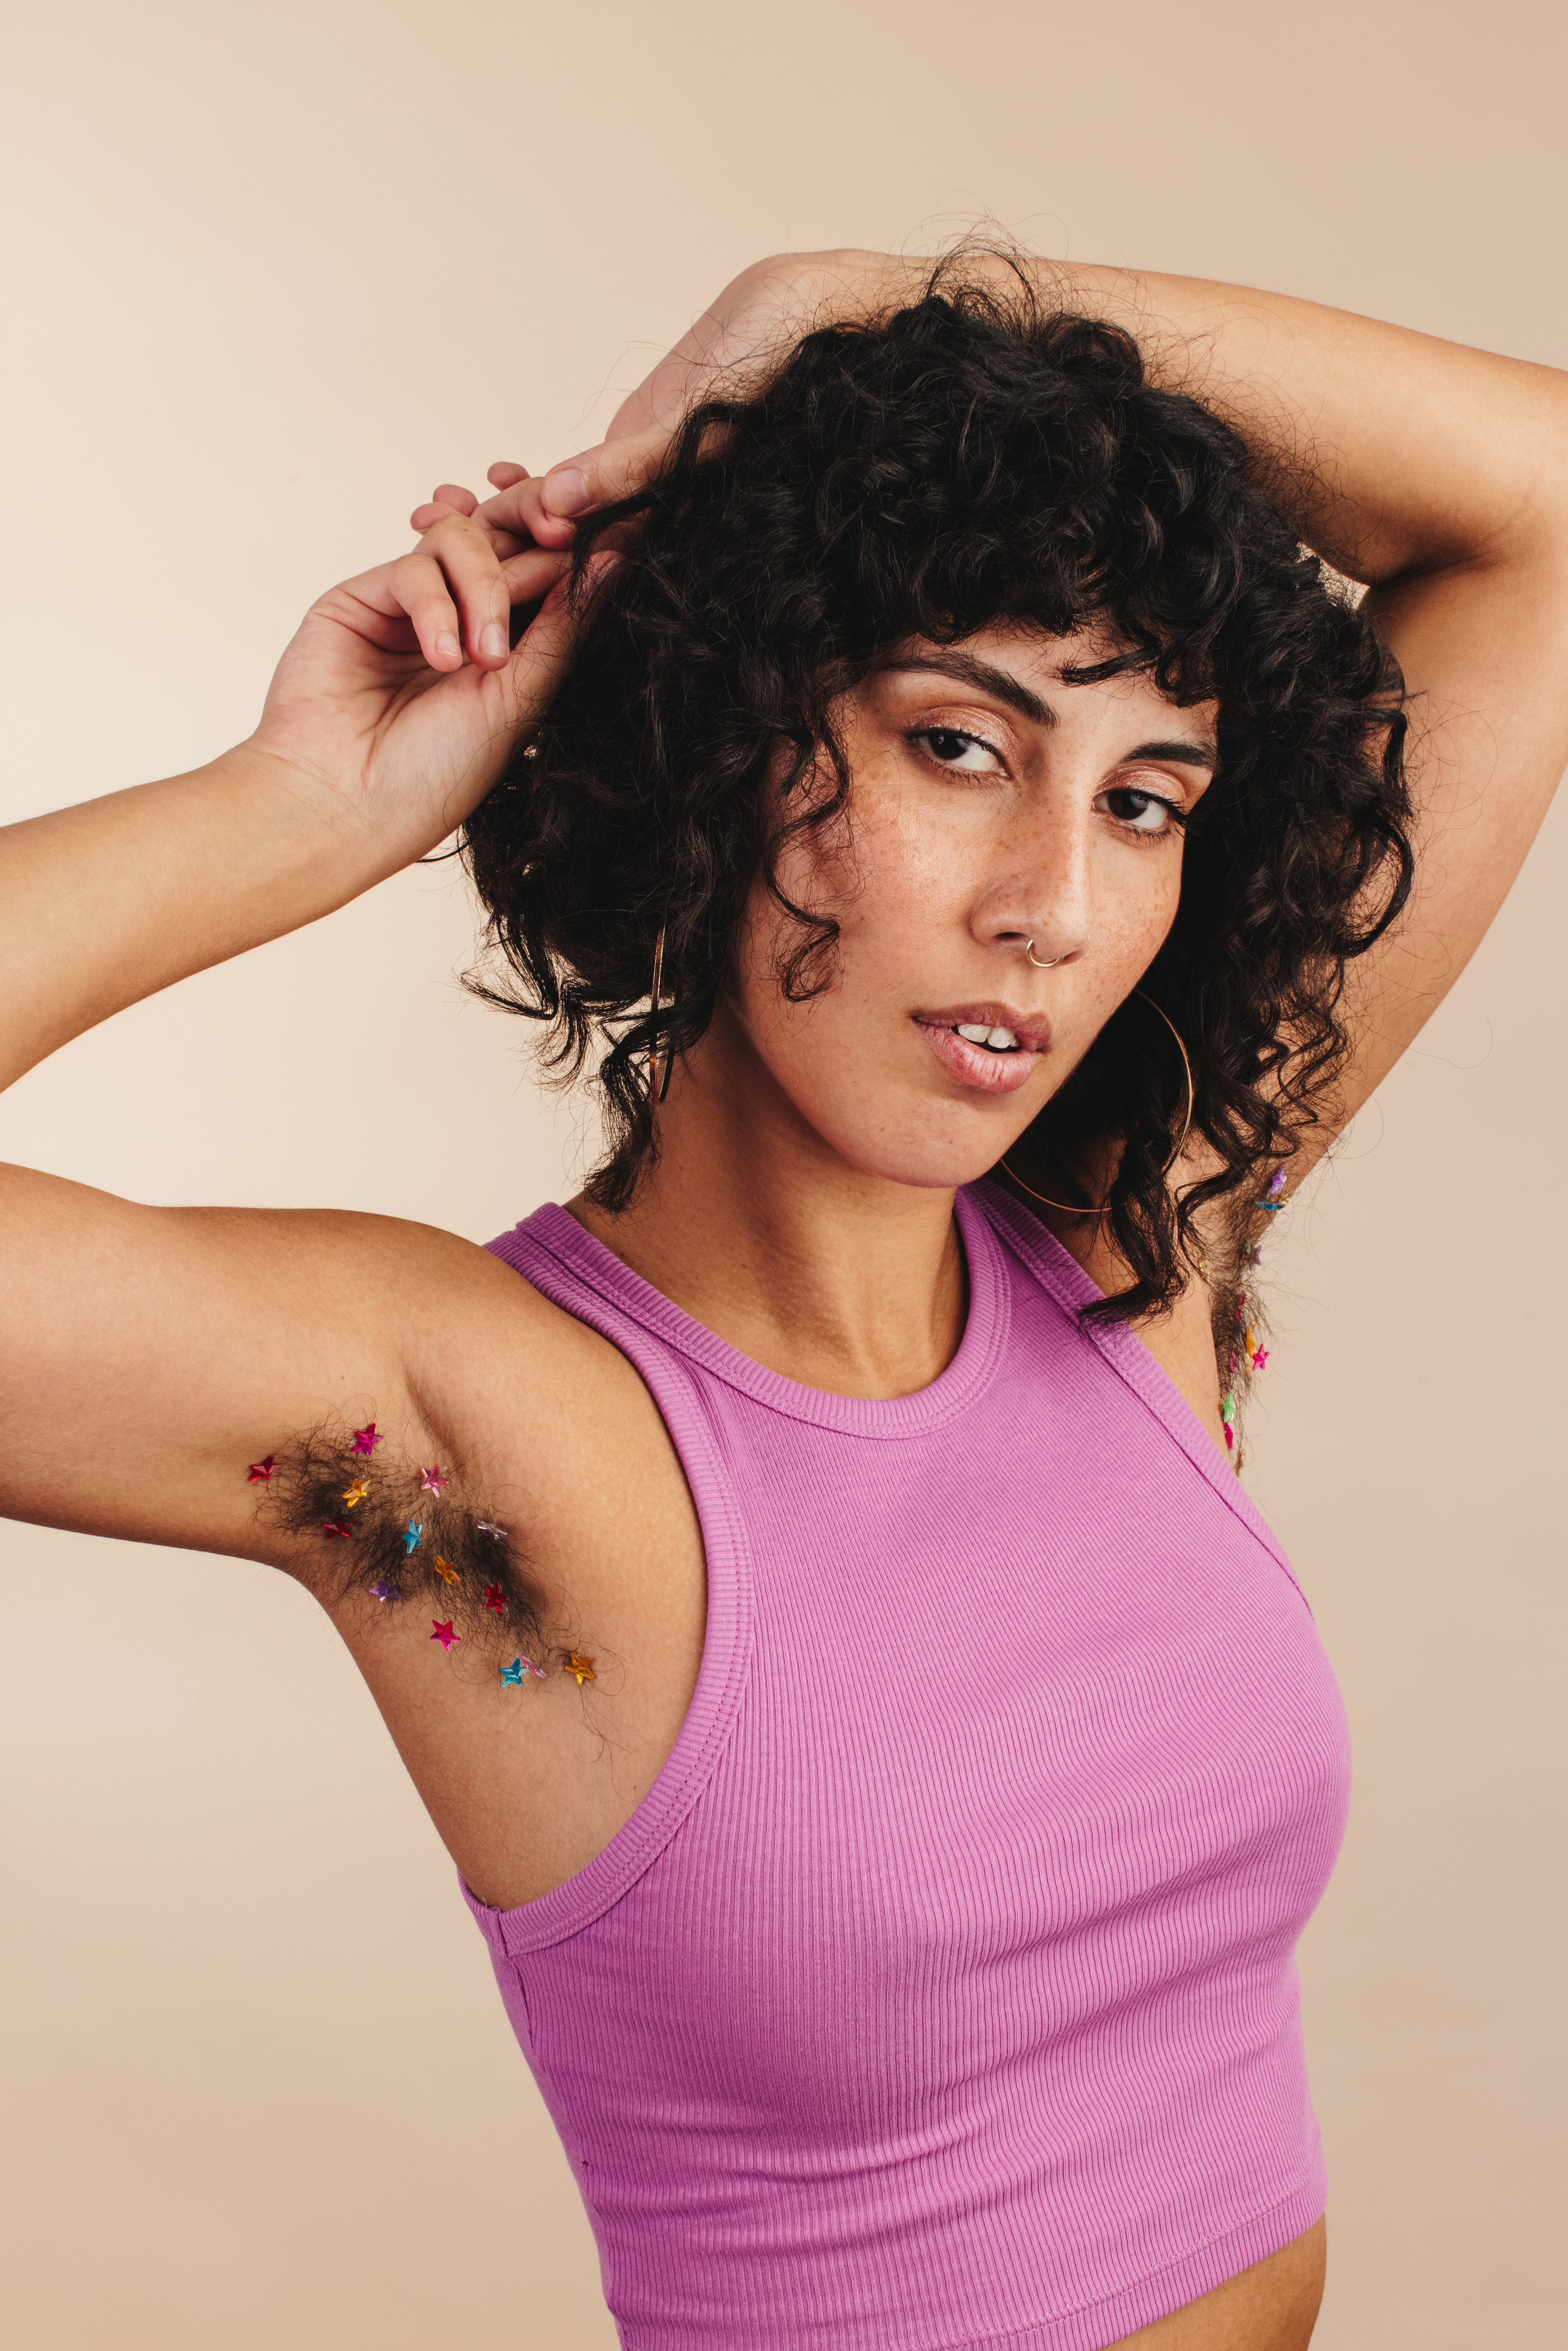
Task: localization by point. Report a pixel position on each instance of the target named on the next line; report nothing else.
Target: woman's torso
(931, 1682)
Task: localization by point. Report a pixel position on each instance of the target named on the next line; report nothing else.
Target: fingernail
(493, 641)
(566, 492)
(447, 646)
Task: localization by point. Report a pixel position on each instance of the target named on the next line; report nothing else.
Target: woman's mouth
(983, 1050)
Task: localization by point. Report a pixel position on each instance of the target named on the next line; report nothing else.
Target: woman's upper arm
(1484, 651)
(148, 1355)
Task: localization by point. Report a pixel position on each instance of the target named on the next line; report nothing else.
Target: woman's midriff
(1272, 2306)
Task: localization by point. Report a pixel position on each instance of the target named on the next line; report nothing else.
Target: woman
(809, 1583)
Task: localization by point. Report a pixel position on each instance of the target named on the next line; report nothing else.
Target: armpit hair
(306, 1493)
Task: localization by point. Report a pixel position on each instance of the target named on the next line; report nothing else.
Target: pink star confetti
(262, 1470)
(1259, 1357)
(494, 1598)
(367, 1440)
(434, 1480)
(444, 1634)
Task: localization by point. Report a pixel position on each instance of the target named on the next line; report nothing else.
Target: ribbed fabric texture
(941, 1991)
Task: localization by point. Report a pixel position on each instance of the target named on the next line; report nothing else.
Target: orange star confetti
(444, 1634)
(581, 1666)
(262, 1470)
(356, 1492)
(444, 1569)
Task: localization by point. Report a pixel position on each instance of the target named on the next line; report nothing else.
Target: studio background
(274, 274)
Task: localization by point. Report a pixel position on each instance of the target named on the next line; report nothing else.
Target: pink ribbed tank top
(941, 1991)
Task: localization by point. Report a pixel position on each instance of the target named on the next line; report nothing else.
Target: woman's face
(991, 806)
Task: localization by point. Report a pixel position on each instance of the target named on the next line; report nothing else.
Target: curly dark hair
(965, 461)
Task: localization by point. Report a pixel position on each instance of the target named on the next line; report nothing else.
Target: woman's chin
(920, 1159)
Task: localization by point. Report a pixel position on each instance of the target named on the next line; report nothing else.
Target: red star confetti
(433, 1480)
(262, 1470)
(367, 1440)
(444, 1634)
(494, 1598)
(338, 1527)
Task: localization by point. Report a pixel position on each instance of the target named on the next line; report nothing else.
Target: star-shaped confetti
(496, 1534)
(444, 1569)
(495, 1598)
(581, 1666)
(1259, 1357)
(338, 1527)
(357, 1491)
(434, 1480)
(367, 1440)
(412, 1538)
(383, 1589)
(261, 1472)
(444, 1634)
(518, 1672)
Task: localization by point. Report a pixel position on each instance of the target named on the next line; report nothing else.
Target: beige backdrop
(277, 270)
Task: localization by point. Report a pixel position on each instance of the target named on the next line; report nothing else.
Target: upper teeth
(979, 1034)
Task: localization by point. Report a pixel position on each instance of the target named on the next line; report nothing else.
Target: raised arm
(145, 1352)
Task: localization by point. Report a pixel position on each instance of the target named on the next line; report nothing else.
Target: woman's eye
(953, 749)
(1143, 812)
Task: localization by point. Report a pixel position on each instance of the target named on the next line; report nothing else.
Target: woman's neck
(754, 1226)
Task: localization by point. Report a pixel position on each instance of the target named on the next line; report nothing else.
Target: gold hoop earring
(1047, 963)
(658, 1083)
(1064, 1205)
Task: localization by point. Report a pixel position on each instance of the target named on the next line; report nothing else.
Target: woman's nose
(1042, 907)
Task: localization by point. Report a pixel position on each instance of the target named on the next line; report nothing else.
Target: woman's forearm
(1396, 453)
(107, 903)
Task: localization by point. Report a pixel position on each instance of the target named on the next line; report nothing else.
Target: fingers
(458, 597)
(450, 498)
(544, 507)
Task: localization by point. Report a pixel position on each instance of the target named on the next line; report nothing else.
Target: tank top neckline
(955, 1388)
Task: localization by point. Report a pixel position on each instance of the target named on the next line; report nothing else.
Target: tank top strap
(552, 1251)
(1038, 1253)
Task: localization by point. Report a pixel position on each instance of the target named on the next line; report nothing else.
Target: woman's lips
(975, 1065)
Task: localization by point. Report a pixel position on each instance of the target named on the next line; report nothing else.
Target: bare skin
(802, 1209)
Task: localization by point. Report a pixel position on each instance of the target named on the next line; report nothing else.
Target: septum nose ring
(1043, 962)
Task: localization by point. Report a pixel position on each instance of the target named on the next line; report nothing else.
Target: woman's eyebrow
(981, 675)
(1005, 687)
(1186, 755)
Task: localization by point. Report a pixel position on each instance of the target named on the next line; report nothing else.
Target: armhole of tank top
(1064, 1280)
(567, 1909)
